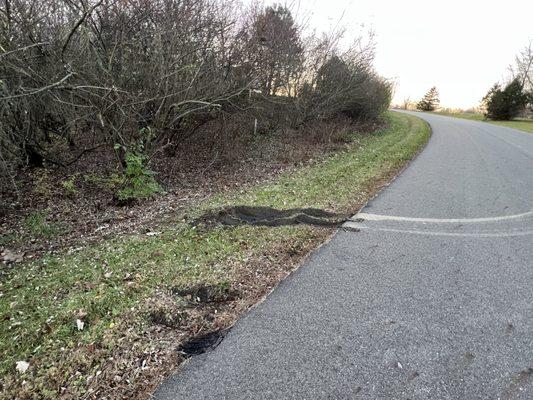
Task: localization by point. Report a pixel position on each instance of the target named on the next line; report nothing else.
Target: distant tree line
(147, 76)
(502, 102)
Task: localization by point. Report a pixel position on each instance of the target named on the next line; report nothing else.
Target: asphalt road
(432, 299)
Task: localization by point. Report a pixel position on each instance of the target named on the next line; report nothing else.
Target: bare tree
(144, 70)
(272, 47)
(523, 67)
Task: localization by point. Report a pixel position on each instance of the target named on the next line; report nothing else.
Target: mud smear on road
(268, 216)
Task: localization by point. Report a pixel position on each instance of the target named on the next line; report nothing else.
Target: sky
(461, 47)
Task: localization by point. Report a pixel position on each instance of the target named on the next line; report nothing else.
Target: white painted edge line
(432, 233)
(377, 217)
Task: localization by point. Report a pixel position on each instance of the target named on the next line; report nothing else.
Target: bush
(346, 87)
(81, 75)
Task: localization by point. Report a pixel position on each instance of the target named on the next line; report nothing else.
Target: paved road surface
(432, 299)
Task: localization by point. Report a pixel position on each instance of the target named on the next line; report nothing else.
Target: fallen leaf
(80, 324)
(9, 257)
(22, 366)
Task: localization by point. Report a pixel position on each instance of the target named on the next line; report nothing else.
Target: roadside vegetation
(106, 106)
(105, 320)
(115, 87)
(521, 124)
(126, 128)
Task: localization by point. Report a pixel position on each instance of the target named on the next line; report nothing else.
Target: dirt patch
(203, 343)
(205, 294)
(170, 320)
(268, 216)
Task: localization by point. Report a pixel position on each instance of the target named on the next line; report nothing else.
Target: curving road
(431, 299)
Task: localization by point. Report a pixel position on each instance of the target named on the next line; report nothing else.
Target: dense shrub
(345, 85)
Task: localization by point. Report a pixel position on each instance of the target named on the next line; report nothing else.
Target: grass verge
(104, 321)
(520, 124)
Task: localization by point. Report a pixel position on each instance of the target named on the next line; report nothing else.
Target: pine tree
(430, 101)
(507, 103)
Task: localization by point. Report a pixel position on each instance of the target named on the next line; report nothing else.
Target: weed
(139, 181)
(43, 185)
(69, 186)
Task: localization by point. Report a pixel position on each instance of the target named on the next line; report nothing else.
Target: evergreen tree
(430, 101)
(507, 103)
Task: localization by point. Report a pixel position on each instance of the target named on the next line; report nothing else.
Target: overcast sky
(462, 47)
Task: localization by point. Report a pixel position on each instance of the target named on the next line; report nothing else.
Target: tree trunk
(33, 158)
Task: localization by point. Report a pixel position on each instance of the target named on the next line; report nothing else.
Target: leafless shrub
(121, 72)
(76, 75)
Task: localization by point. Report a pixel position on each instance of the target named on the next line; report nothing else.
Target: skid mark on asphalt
(442, 233)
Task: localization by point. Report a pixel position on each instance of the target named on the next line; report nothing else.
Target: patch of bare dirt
(268, 216)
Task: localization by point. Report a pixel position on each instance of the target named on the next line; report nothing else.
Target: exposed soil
(203, 343)
(268, 216)
(205, 294)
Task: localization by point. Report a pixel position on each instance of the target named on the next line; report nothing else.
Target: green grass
(37, 225)
(521, 124)
(112, 286)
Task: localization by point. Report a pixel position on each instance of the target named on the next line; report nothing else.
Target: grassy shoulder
(105, 320)
(520, 124)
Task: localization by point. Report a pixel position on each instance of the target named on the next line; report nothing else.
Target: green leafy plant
(139, 181)
(69, 186)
